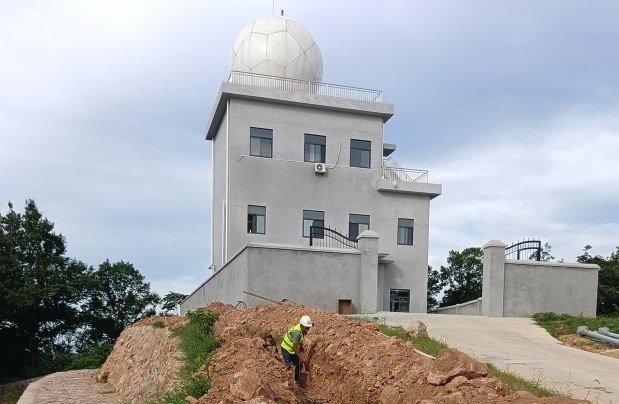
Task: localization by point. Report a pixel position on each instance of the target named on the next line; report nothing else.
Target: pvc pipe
(582, 330)
(606, 331)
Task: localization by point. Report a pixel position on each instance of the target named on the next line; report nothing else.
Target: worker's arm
(297, 349)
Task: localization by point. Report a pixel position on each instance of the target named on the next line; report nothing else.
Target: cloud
(561, 187)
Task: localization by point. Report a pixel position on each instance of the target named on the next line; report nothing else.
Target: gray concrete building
(289, 153)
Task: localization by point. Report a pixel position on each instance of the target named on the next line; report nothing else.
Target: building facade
(289, 154)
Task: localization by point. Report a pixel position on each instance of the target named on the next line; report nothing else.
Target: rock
(389, 395)
(451, 363)
(191, 400)
(260, 400)
(453, 385)
(416, 329)
(455, 398)
(247, 386)
(493, 383)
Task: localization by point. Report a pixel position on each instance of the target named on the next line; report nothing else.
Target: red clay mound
(350, 361)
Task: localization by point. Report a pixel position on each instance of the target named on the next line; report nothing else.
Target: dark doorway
(399, 300)
(344, 306)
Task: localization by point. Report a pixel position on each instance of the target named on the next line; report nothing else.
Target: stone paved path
(73, 387)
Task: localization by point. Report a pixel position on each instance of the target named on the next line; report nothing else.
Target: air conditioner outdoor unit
(320, 168)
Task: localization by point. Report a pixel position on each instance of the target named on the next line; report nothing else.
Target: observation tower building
(308, 203)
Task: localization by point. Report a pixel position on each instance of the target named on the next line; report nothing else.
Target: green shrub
(92, 359)
(562, 324)
(158, 324)
(198, 342)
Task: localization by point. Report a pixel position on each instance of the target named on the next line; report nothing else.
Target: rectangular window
(405, 231)
(357, 224)
(360, 151)
(313, 218)
(261, 142)
(399, 300)
(315, 148)
(256, 219)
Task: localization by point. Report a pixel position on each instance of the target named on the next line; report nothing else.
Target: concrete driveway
(520, 346)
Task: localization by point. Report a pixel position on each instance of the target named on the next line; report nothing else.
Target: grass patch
(158, 324)
(564, 324)
(197, 341)
(426, 345)
(512, 382)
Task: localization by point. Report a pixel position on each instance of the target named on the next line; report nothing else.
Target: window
(357, 224)
(261, 142)
(405, 231)
(313, 218)
(315, 148)
(256, 219)
(399, 299)
(360, 151)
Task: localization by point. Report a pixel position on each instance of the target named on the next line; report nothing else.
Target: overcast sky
(512, 105)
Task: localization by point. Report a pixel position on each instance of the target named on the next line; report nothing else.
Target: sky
(512, 105)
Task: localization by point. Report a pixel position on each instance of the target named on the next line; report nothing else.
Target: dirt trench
(350, 361)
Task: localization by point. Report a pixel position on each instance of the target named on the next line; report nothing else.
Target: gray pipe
(606, 331)
(582, 330)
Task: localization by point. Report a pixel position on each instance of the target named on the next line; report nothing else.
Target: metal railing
(392, 171)
(534, 246)
(327, 237)
(281, 83)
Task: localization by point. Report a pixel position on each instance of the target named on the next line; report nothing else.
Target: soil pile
(349, 361)
(145, 360)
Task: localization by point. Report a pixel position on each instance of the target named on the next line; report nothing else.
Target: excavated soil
(586, 344)
(349, 361)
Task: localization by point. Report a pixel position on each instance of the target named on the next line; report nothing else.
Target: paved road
(518, 345)
(73, 387)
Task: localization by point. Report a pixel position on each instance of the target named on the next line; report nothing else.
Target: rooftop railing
(331, 90)
(392, 171)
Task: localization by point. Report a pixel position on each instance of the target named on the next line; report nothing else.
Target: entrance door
(399, 300)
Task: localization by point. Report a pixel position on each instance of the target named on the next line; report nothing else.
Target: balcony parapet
(281, 83)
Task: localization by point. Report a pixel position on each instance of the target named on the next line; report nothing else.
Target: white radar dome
(277, 46)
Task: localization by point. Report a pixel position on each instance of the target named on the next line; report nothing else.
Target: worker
(292, 346)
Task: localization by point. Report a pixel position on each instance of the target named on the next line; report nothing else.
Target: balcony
(395, 178)
(330, 90)
(393, 172)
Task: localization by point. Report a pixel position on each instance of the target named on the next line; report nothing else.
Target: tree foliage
(435, 286)
(39, 286)
(170, 303)
(117, 297)
(53, 306)
(608, 279)
(463, 276)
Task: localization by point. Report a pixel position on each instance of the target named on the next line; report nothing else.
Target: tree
(117, 297)
(435, 286)
(544, 254)
(608, 280)
(170, 303)
(39, 288)
(463, 277)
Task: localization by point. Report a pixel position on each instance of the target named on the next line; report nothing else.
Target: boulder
(247, 385)
(416, 329)
(452, 363)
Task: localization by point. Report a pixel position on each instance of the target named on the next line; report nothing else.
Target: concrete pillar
(368, 279)
(494, 279)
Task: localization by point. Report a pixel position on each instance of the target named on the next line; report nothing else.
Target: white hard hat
(306, 321)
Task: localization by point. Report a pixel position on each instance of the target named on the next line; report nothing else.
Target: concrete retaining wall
(534, 287)
(316, 277)
(522, 288)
